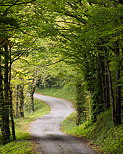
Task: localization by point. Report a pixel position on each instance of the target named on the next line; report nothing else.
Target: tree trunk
(32, 87)
(111, 90)
(6, 128)
(11, 115)
(11, 106)
(32, 103)
(104, 75)
(21, 104)
(118, 97)
(17, 101)
(1, 100)
(106, 90)
(80, 105)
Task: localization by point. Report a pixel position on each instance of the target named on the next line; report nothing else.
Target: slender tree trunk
(108, 79)
(80, 105)
(118, 85)
(104, 77)
(93, 76)
(11, 105)
(110, 88)
(21, 104)
(1, 88)
(1, 100)
(6, 127)
(11, 115)
(106, 90)
(32, 102)
(32, 87)
(17, 101)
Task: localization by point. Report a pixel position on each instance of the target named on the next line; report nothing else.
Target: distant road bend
(46, 130)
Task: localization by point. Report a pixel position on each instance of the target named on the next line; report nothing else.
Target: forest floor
(47, 134)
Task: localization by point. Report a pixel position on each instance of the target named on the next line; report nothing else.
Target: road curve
(46, 130)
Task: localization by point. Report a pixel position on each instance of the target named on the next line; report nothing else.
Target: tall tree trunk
(93, 76)
(6, 128)
(109, 78)
(32, 102)
(106, 89)
(1, 88)
(32, 87)
(11, 115)
(21, 104)
(98, 95)
(11, 105)
(80, 105)
(118, 97)
(17, 101)
(111, 90)
(1, 100)
(104, 75)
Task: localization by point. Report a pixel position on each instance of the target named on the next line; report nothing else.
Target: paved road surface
(46, 130)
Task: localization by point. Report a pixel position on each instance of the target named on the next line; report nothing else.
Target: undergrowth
(101, 133)
(24, 143)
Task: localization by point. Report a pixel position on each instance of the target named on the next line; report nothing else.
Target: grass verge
(66, 92)
(102, 133)
(24, 143)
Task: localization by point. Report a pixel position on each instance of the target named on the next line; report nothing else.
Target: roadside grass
(24, 143)
(109, 139)
(66, 92)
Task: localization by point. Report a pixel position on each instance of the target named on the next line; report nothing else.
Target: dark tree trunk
(98, 94)
(93, 76)
(108, 79)
(118, 97)
(80, 105)
(17, 102)
(111, 90)
(103, 79)
(1, 88)
(104, 75)
(105, 83)
(1, 98)
(32, 102)
(21, 104)
(106, 89)
(11, 106)
(11, 115)
(32, 87)
(6, 128)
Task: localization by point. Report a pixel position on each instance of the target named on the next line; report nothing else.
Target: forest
(57, 44)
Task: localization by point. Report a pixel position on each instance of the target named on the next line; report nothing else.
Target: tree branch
(15, 3)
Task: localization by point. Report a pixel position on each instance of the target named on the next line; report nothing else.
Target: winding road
(46, 130)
